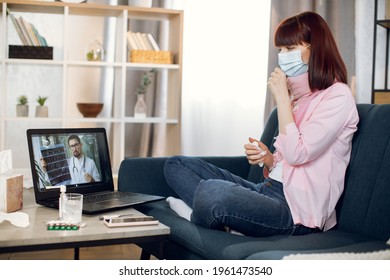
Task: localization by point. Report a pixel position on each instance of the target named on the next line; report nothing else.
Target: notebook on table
(78, 158)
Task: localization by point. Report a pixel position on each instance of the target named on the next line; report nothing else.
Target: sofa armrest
(146, 175)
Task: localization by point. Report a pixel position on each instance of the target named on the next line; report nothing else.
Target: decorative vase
(22, 110)
(41, 111)
(95, 51)
(140, 106)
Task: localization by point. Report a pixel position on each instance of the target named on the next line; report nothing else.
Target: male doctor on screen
(82, 168)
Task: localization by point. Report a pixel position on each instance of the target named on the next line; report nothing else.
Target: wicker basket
(146, 56)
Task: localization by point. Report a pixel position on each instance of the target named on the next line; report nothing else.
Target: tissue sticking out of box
(5, 162)
(11, 185)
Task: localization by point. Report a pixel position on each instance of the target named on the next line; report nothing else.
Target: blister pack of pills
(62, 225)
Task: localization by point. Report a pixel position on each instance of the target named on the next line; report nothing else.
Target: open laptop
(55, 160)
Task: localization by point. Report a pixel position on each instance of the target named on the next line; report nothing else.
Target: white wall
(224, 74)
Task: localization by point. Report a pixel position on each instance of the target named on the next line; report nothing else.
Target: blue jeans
(220, 199)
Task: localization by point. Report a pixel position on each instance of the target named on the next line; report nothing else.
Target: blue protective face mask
(291, 63)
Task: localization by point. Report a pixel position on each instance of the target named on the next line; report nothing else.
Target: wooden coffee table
(95, 233)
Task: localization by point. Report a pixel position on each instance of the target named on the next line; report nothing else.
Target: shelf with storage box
(381, 94)
(69, 77)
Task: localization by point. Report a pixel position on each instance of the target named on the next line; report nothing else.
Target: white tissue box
(11, 192)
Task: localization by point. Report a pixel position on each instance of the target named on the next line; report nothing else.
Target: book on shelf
(41, 40)
(137, 41)
(19, 20)
(132, 43)
(153, 42)
(30, 33)
(147, 42)
(27, 32)
(18, 29)
(142, 41)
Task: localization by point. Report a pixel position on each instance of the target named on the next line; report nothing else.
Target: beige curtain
(340, 15)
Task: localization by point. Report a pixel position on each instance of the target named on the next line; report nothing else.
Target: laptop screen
(75, 157)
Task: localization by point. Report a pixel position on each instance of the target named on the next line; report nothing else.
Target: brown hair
(74, 137)
(325, 63)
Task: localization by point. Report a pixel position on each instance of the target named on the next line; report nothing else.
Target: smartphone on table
(130, 221)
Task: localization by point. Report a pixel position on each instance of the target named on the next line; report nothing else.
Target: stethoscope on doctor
(74, 166)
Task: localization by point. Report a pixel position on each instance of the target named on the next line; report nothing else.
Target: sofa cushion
(365, 204)
(213, 244)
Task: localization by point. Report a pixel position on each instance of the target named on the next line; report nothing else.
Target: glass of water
(72, 207)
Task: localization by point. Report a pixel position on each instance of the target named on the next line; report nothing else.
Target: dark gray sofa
(363, 210)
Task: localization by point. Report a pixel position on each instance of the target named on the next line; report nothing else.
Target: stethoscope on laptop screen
(74, 166)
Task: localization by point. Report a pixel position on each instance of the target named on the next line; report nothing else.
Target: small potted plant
(22, 106)
(140, 106)
(41, 110)
(95, 51)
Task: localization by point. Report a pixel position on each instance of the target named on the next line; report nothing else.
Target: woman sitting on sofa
(305, 175)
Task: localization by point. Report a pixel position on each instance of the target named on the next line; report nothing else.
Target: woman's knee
(171, 163)
(175, 163)
(173, 160)
(210, 200)
(178, 160)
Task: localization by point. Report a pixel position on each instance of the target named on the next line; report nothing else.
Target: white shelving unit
(79, 80)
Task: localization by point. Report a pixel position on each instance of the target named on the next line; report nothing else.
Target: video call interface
(68, 159)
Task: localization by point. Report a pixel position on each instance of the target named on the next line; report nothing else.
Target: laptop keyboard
(105, 196)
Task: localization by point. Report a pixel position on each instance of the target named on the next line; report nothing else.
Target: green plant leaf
(22, 100)
(145, 82)
(41, 100)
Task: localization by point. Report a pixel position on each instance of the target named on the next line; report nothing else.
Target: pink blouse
(315, 152)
